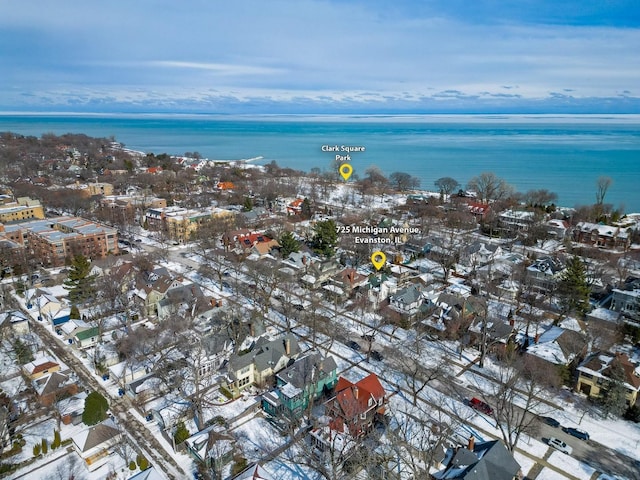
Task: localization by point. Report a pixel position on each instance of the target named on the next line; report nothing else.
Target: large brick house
(356, 405)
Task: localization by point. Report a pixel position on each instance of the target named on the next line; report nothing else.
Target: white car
(560, 445)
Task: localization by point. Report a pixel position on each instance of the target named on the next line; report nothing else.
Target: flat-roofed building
(181, 224)
(53, 240)
(24, 208)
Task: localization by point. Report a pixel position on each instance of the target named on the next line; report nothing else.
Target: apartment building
(24, 208)
(53, 240)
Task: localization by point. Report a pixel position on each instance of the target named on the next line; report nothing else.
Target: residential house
(407, 301)
(626, 302)
(255, 472)
(598, 370)
(498, 332)
(264, 248)
(128, 371)
(557, 228)
(516, 219)
(479, 461)
(148, 474)
(182, 298)
(557, 346)
(295, 207)
(356, 405)
(17, 321)
(349, 280)
(604, 236)
(258, 366)
(71, 408)
(153, 287)
(319, 273)
(225, 186)
(53, 387)
(79, 333)
(46, 304)
(478, 210)
(304, 381)
(93, 444)
(145, 388)
(255, 215)
(543, 274)
(212, 447)
(401, 273)
(300, 260)
(480, 253)
(40, 367)
(256, 243)
(86, 337)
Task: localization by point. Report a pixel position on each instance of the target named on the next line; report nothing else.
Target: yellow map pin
(345, 171)
(378, 259)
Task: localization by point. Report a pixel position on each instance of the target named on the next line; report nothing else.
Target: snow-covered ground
(571, 465)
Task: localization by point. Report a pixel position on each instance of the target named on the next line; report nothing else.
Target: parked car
(376, 355)
(576, 432)
(560, 445)
(481, 406)
(353, 345)
(552, 422)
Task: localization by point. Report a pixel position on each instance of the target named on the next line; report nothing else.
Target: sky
(320, 56)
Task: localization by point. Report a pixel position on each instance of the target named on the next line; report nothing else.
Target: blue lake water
(565, 154)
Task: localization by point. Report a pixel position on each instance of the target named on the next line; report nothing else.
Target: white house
(93, 443)
(17, 321)
(407, 300)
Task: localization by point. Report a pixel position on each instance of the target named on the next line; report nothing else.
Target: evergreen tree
(573, 288)
(613, 399)
(288, 244)
(181, 433)
(80, 282)
(95, 409)
(325, 238)
(305, 208)
(248, 204)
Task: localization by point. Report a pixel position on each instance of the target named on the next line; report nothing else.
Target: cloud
(356, 52)
(220, 68)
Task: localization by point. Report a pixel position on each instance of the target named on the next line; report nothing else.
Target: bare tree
(489, 187)
(602, 186)
(69, 469)
(517, 393)
(446, 185)
(417, 371)
(418, 436)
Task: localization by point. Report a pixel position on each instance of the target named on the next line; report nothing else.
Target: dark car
(481, 406)
(376, 355)
(353, 345)
(576, 432)
(552, 422)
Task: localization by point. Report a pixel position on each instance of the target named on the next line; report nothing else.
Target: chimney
(287, 346)
(472, 443)
(536, 338)
(355, 392)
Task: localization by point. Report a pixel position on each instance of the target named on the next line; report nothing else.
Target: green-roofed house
(303, 381)
(87, 337)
